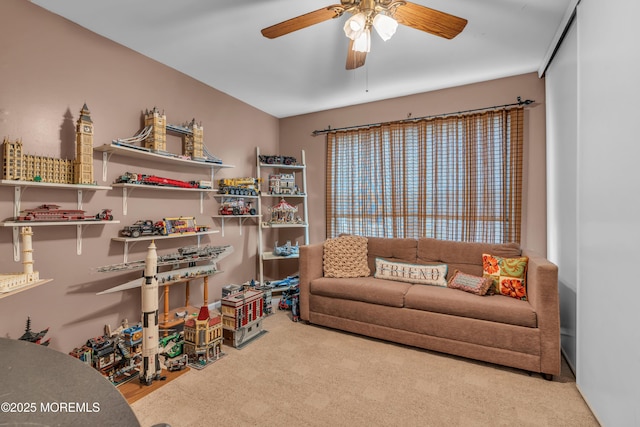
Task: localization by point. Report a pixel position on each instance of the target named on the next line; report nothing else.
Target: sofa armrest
(311, 267)
(542, 293)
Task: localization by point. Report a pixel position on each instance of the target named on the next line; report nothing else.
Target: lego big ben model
(83, 164)
(18, 166)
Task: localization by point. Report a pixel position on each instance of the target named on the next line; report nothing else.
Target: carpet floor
(304, 375)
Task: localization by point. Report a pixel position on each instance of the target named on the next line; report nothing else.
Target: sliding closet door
(562, 159)
(608, 352)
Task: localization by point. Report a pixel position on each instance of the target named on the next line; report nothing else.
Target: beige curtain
(455, 178)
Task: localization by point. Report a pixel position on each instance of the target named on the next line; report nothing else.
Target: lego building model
(14, 281)
(203, 338)
(283, 183)
(267, 299)
(242, 314)
(34, 337)
(284, 213)
(116, 355)
(24, 167)
(153, 138)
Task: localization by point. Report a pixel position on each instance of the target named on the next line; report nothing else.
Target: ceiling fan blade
(429, 20)
(303, 21)
(355, 59)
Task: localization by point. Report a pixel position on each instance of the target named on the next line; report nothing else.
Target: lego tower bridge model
(150, 143)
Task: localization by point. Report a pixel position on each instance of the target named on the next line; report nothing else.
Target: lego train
(50, 212)
(143, 179)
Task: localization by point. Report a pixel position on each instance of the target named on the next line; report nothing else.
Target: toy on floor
(150, 368)
(290, 300)
(34, 337)
(203, 338)
(116, 355)
(242, 317)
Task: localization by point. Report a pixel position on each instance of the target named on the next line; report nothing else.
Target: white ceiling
(219, 43)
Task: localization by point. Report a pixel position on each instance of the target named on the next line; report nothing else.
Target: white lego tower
(27, 255)
(151, 368)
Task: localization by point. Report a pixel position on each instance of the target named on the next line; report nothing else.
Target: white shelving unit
(109, 149)
(267, 255)
(21, 186)
(127, 189)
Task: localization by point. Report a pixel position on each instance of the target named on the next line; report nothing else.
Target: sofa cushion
(508, 275)
(365, 289)
(463, 256)
(469, 283)
(424, 274)
(392, 249)
(494, 308)
(346, 256)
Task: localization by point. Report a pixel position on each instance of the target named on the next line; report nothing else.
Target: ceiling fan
(383, 15)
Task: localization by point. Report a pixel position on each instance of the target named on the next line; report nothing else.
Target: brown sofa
(495, 328)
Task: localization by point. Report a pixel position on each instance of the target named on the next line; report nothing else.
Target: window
(455, 178)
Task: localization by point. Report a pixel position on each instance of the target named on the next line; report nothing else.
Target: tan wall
(49, 69)
(296, 134)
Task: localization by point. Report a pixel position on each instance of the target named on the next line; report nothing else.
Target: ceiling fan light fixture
(385, 26)
(355, 26)
(363, 42)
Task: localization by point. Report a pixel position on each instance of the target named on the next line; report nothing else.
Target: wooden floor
(134, 390)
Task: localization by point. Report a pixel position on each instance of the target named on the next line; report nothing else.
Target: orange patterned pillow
(508, 275)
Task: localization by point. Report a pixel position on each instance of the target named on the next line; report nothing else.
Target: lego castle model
(24, 167)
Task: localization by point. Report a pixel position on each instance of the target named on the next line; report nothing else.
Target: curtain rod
(329, 130)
